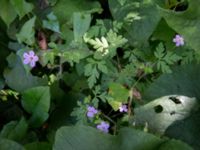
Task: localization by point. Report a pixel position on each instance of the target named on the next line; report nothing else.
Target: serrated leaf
(88, 69)
(171, 58)
(27, 33)
(159, 53)
(36, 101)
(21, 7)
(102, 67)
(74, 55)
(115, 40)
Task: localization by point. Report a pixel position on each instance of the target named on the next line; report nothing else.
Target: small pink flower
(91, 111)
(103, 126)
(178, 40)
(123, 108)
(30, 58)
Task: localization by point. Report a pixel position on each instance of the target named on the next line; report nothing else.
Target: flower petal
(26, 61)
(31, 53)
(32, 63)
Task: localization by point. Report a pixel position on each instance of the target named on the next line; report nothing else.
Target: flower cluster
(178, 40)
(103, 126)
(30, 58)
(91, 111)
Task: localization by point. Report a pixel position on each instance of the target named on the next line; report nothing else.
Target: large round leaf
(183, 81)
(87, 138)
(159, 114)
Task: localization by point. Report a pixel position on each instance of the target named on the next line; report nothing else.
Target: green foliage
(81, 23)
(36, 101)
(69, 136)
(185, 23)
(101, 64)
(73, 6)
(163, 112)
(22, 7)
(52, 23)
(15, 74)
(165, 59)
(7, 12)
(15, 130)
(141, 18)
(27, 32)
(118, 95)
(6, 144)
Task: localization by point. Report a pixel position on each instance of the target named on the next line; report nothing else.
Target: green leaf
(114, 104)
(159, 53)
(17, 78)
(47, 57)
(185, 23)
(183, 81)
(7, 12)
(27, 33)
(81, 23)
(73, 6)
(52, 23)
(175, 145)
(141, 18)
(165, 58)
(115, 40)
(118, 92)
(75, 55)
(10, 145)
(38, 146)
(93, 74)
(164, 35)
(102, 67)
(128, 139)
(14, 130)
(163, 112)
(36, 101)
(21, 7)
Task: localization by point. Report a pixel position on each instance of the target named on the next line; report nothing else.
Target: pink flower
(178, 40)
(30, 58)
(123, 108)
(103, 126)
(91, 111)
